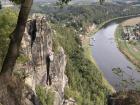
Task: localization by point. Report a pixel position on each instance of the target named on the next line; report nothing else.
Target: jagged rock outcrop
(36, 46)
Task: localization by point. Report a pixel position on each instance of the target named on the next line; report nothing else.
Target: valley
(71, 54)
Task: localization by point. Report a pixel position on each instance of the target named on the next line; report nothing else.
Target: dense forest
(84, 15)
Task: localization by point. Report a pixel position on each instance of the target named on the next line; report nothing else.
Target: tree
(11, 86)
(16, 37)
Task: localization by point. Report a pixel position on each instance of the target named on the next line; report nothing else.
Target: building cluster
(131, 32)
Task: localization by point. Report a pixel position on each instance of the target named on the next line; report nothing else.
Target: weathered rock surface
(70, 102)
(10, 90)
(35, 45)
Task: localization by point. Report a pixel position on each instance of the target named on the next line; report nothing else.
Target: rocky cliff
(43, 66)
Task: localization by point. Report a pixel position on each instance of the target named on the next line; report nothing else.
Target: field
(131, 22)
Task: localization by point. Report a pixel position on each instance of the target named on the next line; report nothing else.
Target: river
(116, 68)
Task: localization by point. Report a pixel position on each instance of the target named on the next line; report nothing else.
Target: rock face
(69, 102)
(36, 46)
(10, 90)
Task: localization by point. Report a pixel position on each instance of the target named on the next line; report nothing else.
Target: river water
(117, 69)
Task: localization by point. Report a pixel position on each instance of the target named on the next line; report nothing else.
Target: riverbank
(87, 47)
(88, 54)
(131, 49)
(117, 19)
(81, 71)
(86, 50)
(108, 57)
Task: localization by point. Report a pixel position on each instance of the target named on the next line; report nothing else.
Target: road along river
(117, 69)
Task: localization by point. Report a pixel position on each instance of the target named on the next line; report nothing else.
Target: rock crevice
(37, 45)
